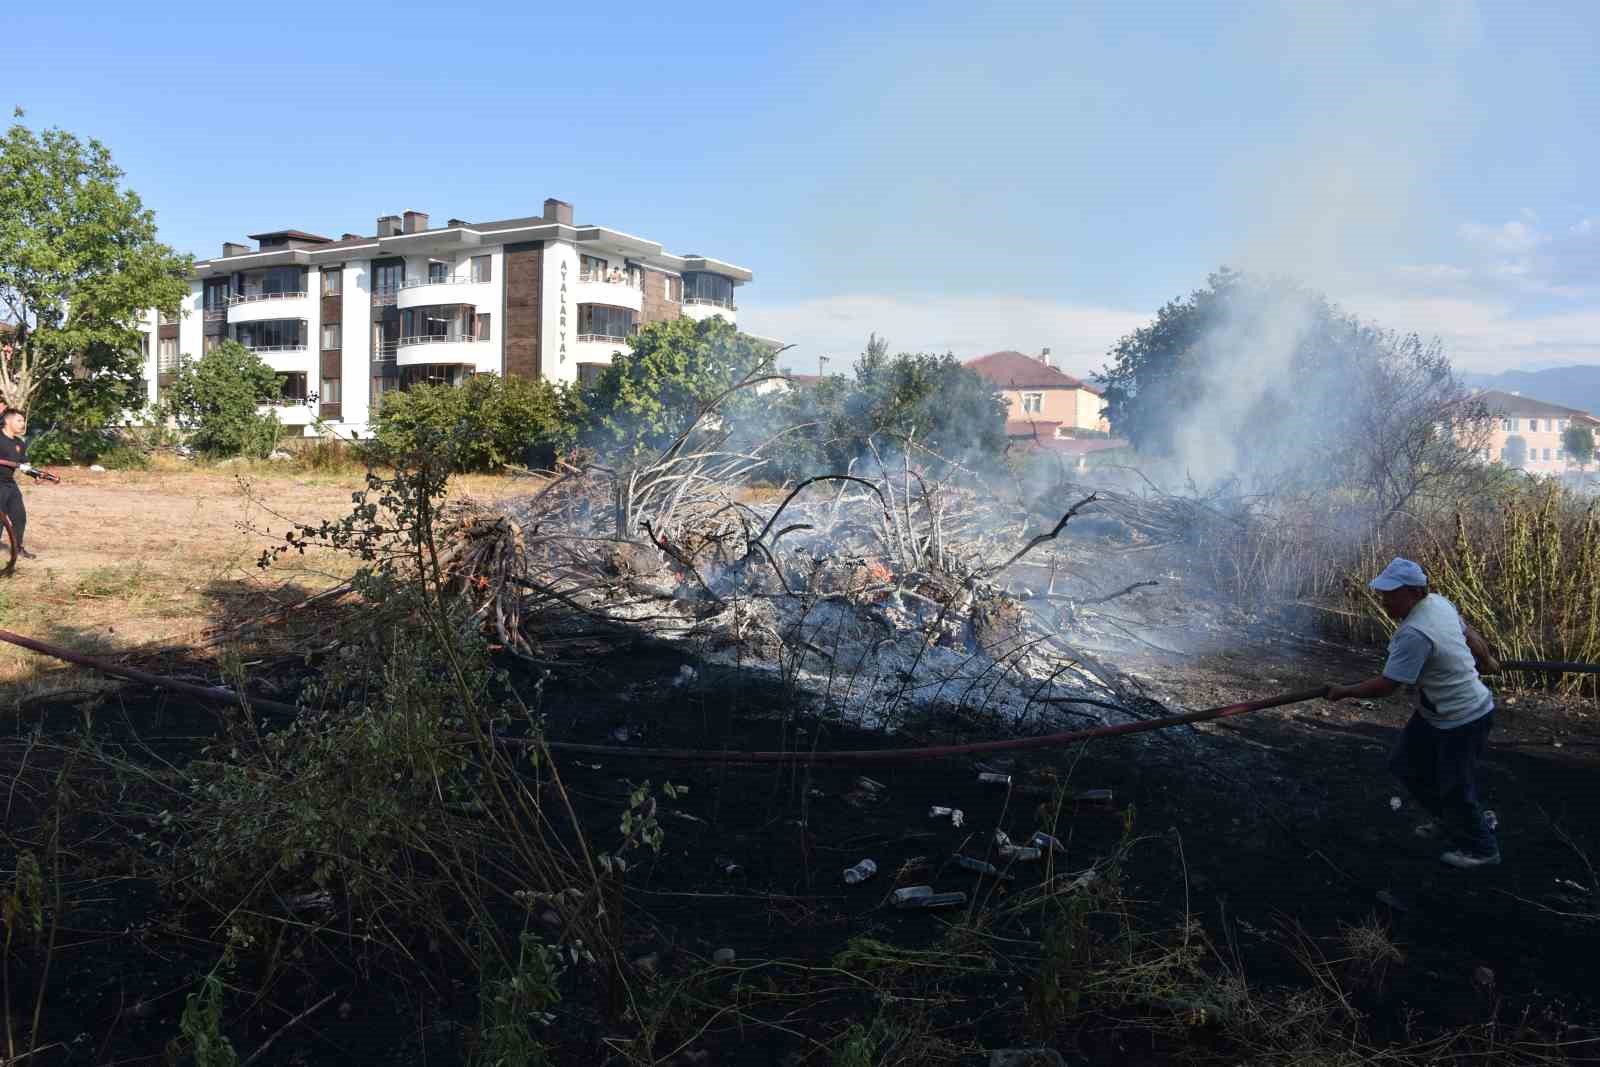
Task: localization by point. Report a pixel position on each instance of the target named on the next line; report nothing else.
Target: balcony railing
(216, 314)
(454, 279)
(250, 298)
(276, 348)
(438, 339)
(600, 277)
(711, 301)
(602, 338)
(384, 296)
(167, 364)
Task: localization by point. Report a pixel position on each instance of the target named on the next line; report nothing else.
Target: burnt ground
(1273, 818)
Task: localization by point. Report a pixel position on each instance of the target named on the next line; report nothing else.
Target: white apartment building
(345, 321)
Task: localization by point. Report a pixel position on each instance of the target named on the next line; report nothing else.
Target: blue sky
(953, 176)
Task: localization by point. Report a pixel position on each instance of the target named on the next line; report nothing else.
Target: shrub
(490, 421)
(215, 399)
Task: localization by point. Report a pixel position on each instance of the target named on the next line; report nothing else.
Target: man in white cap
(1437, 757)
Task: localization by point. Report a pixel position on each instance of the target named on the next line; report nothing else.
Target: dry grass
(134, 560)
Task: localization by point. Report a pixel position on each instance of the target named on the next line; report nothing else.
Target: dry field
(135, 560)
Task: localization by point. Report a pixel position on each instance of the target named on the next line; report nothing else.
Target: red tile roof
(1013, 370)
(1040, 428)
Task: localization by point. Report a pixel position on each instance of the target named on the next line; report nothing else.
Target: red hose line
(908, 755)
(689, 755)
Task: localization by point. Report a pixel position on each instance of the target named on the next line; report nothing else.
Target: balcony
(700, 307)
(385, 351)
(384, 296)
(253, 307)
(442, 348)
(621, 289)
(217, 314)
(454, 289)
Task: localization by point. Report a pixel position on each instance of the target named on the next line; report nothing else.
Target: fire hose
(684, 755)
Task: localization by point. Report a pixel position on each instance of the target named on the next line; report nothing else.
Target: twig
(256, 1055)
(1042, 538)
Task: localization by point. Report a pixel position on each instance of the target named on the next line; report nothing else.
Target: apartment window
(210, 342)
(292, 388)
(216, 295)
(449, 321)
(331, 335)
(601, 322)
(1561, 455)
(1562, 425)
(1033, 403)
(332, 282)
(272, 334)
(167, 350)
(386, 277)
(480, 328)
(702, 288)
(330, 391)
(438, 272)
(1547, 455)
(276, 280)
(592, 268)
(482, 269)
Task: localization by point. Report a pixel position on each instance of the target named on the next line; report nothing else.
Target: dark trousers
(11, 504)
(1440, 768)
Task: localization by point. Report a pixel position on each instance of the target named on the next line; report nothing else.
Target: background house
(1038, 393)
(1538, 425)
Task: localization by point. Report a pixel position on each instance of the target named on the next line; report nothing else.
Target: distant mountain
(1573, 387)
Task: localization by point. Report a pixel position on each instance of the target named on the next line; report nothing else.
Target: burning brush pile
(879, 591)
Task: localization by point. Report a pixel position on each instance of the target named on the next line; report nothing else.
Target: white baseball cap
(1399, 572)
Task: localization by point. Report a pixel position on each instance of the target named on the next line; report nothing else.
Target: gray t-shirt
(1409, 650)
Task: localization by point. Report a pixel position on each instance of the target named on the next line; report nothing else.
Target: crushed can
(994, 778)
(923, 896)
(939, 811)
(860, 872)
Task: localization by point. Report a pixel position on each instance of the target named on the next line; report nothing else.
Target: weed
(200, 1027)
(510, 998)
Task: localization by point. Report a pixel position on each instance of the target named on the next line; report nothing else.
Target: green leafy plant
(215, 399)
(512, 995)
(489, 422)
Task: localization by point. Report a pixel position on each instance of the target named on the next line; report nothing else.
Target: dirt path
(136, 558)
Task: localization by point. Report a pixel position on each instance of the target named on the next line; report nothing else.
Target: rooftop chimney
(349, 237)
(456, 222)
(558, 211)
(416, 221)
(234, 248)
(1044, 356)
(388, 225)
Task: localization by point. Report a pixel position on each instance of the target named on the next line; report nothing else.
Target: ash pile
(906, 584)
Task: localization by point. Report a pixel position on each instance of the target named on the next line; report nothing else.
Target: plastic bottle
(860, 872)
(992, 778)
(923, 896)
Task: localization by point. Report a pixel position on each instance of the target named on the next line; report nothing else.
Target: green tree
(488, 421)
(1579, 443)
(215, 399)
(1262, 379)
(890, 404)
(671, 372)
(79, 265)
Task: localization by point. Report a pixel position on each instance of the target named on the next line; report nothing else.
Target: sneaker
(25, 554)
(1459, 857)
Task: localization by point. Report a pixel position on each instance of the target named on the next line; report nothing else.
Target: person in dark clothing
(14, 458)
